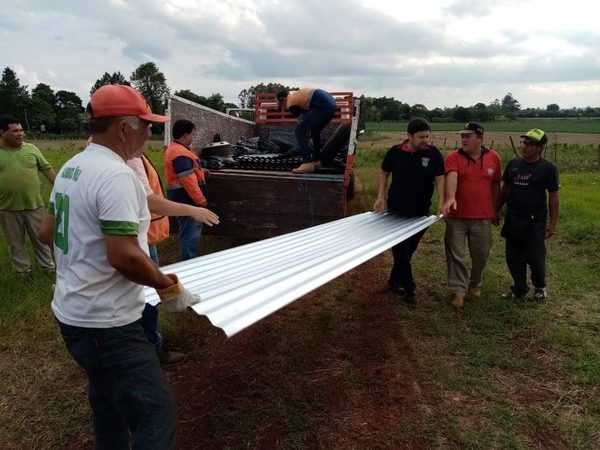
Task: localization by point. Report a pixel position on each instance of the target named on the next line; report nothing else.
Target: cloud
(466, 8)
(446, 53)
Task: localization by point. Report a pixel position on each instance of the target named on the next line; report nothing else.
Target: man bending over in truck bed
(316, 108)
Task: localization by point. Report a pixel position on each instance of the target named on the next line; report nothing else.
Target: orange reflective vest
(159, 225)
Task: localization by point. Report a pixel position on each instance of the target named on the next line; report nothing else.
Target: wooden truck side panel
(256, 205)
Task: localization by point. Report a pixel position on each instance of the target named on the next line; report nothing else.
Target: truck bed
(261, 204)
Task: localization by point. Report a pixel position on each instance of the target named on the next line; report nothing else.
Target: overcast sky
(435, 52)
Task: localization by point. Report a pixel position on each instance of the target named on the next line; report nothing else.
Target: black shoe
(410, 299)
(396, 289)
(510, 295)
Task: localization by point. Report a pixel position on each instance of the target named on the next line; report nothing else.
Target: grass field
(349, 366)
(583, 125)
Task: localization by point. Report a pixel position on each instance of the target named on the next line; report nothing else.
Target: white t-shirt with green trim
(96, 193)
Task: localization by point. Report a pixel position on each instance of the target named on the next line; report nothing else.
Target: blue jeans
(313, 121)
(150, 325)
(153, 253)
(189, 237)
(129, 395)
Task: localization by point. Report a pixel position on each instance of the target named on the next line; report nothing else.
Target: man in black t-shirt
(415, 166)
(525, 183)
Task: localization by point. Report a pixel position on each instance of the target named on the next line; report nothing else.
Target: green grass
(348, 366)
(584, 125)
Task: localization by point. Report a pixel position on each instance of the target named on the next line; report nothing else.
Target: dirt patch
(348, 386)
(546, 438)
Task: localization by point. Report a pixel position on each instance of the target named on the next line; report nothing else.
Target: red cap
(118, 100)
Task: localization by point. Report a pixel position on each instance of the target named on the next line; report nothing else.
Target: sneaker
(510, 295)
(475, 291)
(540, 294)
(458, 301)
(304, 168)
(167, 357)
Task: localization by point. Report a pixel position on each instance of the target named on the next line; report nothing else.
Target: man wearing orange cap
(525, 183)
(98, 219)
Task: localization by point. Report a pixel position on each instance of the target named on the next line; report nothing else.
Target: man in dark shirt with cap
(525, 183)
(415, 166)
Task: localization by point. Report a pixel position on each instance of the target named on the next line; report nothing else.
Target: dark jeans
(189, 237)
(150, 313)
(313, 121)
(529, 251)
(150, 325)
(128, 392)
(402, 270)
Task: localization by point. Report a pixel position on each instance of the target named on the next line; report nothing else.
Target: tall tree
(13, 96)
(152, 84)
(45, 93)
(510, 106)
(41, 108)
(69, 111)
(247, 96)
(114, 78)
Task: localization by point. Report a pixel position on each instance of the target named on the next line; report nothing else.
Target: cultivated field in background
(582, 125)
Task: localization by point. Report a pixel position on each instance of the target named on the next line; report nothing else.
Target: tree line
(62, 112)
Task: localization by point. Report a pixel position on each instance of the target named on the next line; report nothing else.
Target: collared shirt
(474, 195)
(413, 176)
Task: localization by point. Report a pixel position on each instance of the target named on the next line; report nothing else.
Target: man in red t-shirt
(473, 175)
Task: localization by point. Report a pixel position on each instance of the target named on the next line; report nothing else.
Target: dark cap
(472, 127)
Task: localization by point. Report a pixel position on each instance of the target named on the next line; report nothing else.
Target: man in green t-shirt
(21, 204)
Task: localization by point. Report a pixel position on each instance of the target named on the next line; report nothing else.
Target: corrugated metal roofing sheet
(242, 285)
